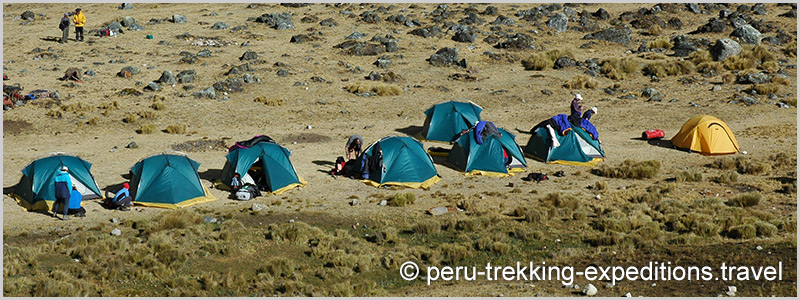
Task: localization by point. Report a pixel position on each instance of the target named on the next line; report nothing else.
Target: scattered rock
(503, 20)
(692, 7)
(747, 34)
(279, 21)
(301, 38)
(208, 219)
(619, 34)
(132, 145)
(178, 19)
(445, 56)
(89, 73)
(354, 36)
(204, 53)
(114, 26)
(357, 48)
(220, 26)
(116, 232)
(628, 294)
(716, 88)
(564, 62)
(114, 221)
(249, 55)
(715, 25)
(589, 290)
(354, 202)
(383, 63)
(558, 22)
(28, 15)
(518, 41)
(754, 78)
(152, 86)
(127, 21)
(128, 71)
(283, 73)
(209, 93)
(441, 210)
(683, 45)
(730, 291)
(464, 34)
(759, 9)
(383, 203)
(257, 207)
(126, 6)
(167, 78)
(427, 32)
(724, 48)
(186, 76)
(329, 22)
(247, 78)
(789, 14)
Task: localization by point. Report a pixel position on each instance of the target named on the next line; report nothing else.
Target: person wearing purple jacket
(575, 109)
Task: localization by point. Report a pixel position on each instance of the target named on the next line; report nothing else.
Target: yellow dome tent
(707, 135)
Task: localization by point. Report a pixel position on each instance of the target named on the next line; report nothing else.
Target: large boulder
(220, 26)
(27, 15)
(186, 76)
(747, 34)
(444, 57)
(278, 21)
(249, 55)
(114, 26)
(724, 48)
(127, 21)
(209, 93)
(128, 71)
(558, 22)
(427, 31)
(463, 34)
(754, 78)
(518, 41)
(683, 45)
(619, 34)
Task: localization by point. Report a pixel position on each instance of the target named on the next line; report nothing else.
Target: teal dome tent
(487, 158)
(269, 158)
(444, 121)
(403, 162)
(168, 181)
(36, 189)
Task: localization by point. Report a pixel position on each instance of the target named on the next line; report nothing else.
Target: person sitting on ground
(588, 114)
(353, 147)
(575, 109)
(122, 199)
(236, 182)
(75, 203)
(63, 182)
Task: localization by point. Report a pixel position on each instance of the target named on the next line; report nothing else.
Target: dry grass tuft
(147, 114)
(269, 101)
(687, 176)
(130, 118)
(55, 114)
(158, 105)
(701, 56)
(662, 42)
(147, 129)
(780, 80)
(176, 129)
(728, 177)
(630, 169)
(427, 227)
(766, 88)
(378, 89)
(401, 199)
(745, 200)
(76, 107)
(619, 69)
(791, 49)
(544, 61)
(581, 82)
(663, 69)
(739, 63)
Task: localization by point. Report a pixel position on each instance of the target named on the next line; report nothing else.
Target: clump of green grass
(687, 176)
(630, 169)
(378, 89)
(401, 199)
(176, 129)
(662, 42)
(745, 200)
(581, 82)
(147, 129)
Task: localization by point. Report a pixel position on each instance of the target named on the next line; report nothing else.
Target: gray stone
(445, 56)
(278, 21)
(208, 219)
(126, 6)
(247, 78)
(621, 35)
(749, 100)
(692, 7)
(759, 9)
(383, 203)
(127, 21)
(503, 20)
(204, 53)
(114, 220)
(283, 73)
(220, 26)
(558, 22)
(747, 34)
(152, 86)
(249, 55)
(724, 48)
(89, 72)
(116, 232)
(132, 145)
(564, 62)
(427, 31)
(130, 69)
(716, 88)
(209, 93)
(178, 19)
(354, 36)
(354, 202)
(27, 15)
(754, 78)
(463, 34)
(114, 26)
(136, 27)
(383, 63)
(167, 78)
(589, 290)
(650, 92)
(683, 45)
(186, 76)
(257, 207)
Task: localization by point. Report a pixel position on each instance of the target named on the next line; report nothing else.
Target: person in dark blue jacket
(63, 184)
(122, 199)
(75, 203)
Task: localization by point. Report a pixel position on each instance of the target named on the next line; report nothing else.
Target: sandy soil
(30, 133)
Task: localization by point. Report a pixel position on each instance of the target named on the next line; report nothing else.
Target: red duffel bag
(653, 134)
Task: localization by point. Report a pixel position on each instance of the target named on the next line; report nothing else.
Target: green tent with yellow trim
(403, 162)
(168, 181)
(36, 190)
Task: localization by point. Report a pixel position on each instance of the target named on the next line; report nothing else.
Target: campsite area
(309, 87)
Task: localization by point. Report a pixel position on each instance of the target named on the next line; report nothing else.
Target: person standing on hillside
(79, 19)
(64, 26)
(575, 109)
(63, 185)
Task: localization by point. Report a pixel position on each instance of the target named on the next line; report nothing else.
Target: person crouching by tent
(122, 199)
(63, 183)
(345, 166)
(74, 207)
(589, 113)
(353, 146)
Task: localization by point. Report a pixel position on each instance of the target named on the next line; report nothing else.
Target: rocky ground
(196, 77)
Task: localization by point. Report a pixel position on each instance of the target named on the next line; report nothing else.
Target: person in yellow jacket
(79, 19)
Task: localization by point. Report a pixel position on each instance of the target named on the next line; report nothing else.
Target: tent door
(85, 191)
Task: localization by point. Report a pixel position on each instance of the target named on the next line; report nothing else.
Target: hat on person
(66, 14)
(64, 169)
(578, 96)
(594, 109)
(77, 9)
(126, 185)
